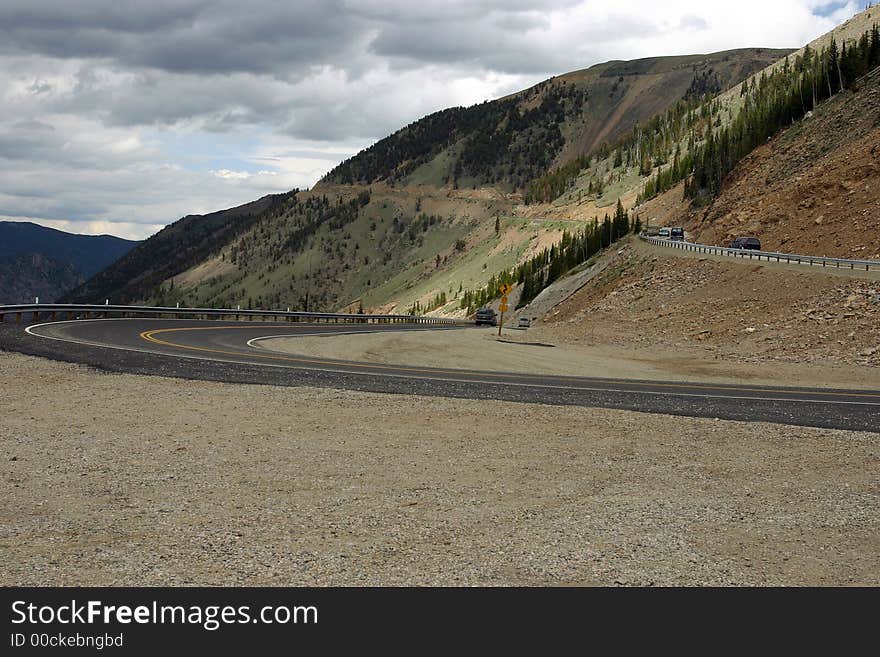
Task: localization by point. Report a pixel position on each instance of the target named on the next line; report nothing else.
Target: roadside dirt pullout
(130, 480)
(516, 351)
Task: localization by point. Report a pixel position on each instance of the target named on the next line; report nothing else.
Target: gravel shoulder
(119, 479)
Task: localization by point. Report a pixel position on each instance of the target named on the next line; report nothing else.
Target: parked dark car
(676, 234)
(752, 243)
(486, 316)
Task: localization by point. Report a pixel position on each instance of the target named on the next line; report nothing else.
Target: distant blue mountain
(36, 261)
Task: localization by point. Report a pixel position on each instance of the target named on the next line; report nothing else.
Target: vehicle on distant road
(664, 233)
(524, 322)
(676, 234)
(751, 243)
(486, 316)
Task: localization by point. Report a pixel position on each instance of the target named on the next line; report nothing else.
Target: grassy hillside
(175, 248)
(346, 246)
(815, 186)
(820, 175)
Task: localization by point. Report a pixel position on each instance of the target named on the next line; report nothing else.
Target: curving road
(219, 351)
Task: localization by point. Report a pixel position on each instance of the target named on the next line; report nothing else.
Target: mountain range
(36, 261)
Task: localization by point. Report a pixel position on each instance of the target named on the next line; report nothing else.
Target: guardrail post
(18, 318)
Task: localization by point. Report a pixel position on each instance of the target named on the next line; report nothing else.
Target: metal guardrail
(838, 263)
(83, 311)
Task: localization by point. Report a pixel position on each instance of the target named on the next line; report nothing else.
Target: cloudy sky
(120, 116)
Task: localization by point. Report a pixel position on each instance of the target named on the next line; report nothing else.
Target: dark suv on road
(486, 316)
(676, 234)
(751, 243)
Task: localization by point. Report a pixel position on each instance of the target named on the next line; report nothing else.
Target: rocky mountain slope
(32, 276)
(813, 189)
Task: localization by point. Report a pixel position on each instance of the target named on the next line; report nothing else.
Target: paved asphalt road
(219, 351)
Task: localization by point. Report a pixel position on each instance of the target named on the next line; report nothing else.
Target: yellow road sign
(505, 288)
(504, 299)
(503, 307)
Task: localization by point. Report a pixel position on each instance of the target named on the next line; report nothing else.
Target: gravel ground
(113, 479)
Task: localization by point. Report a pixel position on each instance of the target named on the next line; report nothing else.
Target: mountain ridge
(38, 261)
(565, 116)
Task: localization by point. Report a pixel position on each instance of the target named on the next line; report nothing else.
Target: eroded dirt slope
(814, 189)
(723, 309)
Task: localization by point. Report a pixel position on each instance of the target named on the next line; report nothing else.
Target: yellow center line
(150, 337)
